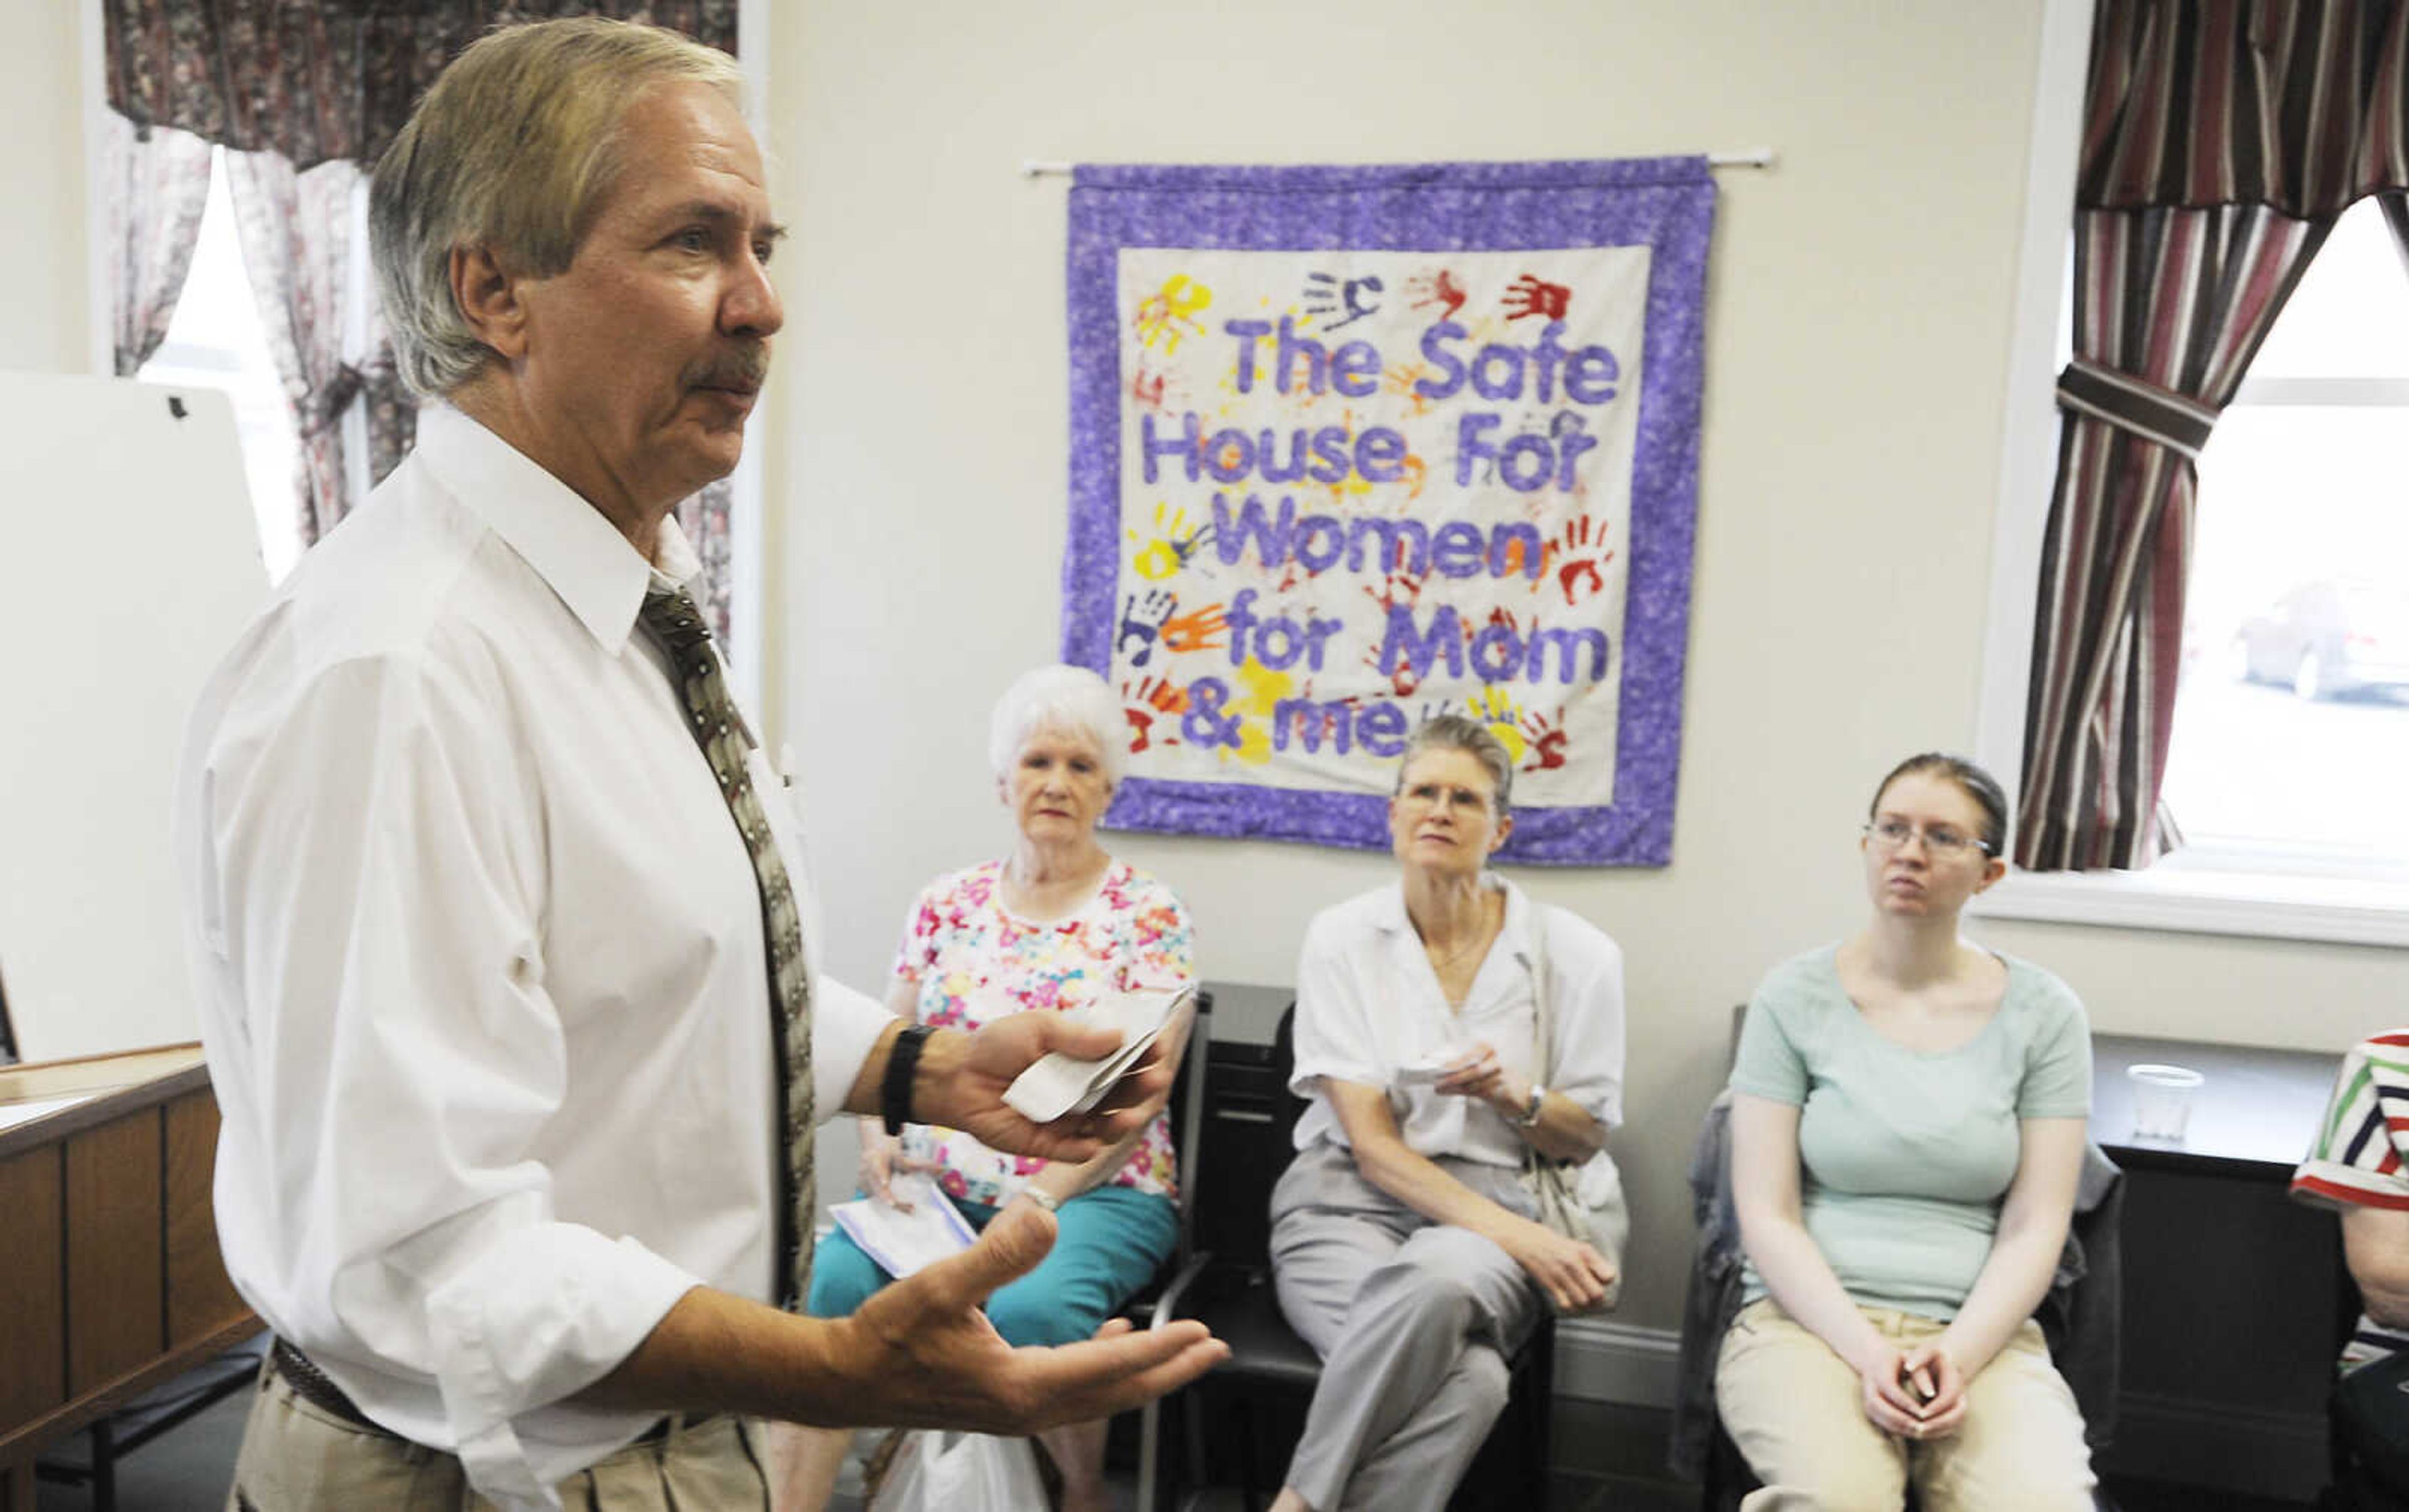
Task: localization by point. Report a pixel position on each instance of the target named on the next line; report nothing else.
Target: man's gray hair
(514, 149)
(1457, 732)
(1071, 700)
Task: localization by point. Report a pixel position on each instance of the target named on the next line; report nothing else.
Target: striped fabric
(2358, 1160)
(2221, 140)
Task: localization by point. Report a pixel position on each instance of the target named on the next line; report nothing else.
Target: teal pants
(1111, 1242)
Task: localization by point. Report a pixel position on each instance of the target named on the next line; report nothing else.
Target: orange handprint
(1195, 632)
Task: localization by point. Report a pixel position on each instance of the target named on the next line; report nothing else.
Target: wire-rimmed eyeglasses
(1938, 839)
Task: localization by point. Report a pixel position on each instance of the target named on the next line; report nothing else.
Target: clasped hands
(1917, 1393)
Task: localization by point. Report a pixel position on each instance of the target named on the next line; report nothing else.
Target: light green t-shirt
(1906, 1154)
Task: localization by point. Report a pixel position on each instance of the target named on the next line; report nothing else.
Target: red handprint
(1533, 296)
(1544, 742)
(1146, 700)
(1146, 389)
(1582, 553)
(1435, 291)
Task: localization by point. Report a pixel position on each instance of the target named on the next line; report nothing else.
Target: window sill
(2357, 910)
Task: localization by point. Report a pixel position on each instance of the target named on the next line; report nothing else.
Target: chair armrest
(1166, 1304)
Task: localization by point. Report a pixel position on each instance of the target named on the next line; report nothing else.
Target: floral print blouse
(975, 963)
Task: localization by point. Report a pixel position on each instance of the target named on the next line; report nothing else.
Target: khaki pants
(296, 1457)
(1797, 1411)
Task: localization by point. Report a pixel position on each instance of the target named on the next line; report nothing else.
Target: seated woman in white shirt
(1405, 1246)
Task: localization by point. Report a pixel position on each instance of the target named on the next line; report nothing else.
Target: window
(215, 341)
(2292, 716)
(2343, 874)
(2300, 583)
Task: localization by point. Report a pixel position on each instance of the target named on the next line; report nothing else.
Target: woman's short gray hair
(514, 148)
(1069, 698)
(1456, 732)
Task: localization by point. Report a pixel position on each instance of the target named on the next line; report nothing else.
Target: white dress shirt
(479, 955)
(1368, 1003)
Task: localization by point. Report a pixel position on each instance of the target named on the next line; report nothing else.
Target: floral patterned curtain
(158, 185)
(306, 96)
(296, 246)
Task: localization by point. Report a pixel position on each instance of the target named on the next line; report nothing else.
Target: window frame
(2228, 890)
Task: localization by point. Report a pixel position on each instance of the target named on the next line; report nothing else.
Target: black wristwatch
(895, 1088)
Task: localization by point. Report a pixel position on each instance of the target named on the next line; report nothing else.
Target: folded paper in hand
(1058, 1086)
(900, 1242)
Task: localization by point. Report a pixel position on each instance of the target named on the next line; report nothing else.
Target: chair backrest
(1186, 1111)
(8, 1034)
(1247, 1140)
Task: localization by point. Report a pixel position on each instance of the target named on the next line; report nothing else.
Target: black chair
(1246, 1142)
(2352, 1486)
(1145, 1310)
(89, 1457)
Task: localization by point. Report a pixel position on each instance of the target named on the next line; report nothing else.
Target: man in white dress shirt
(480, 950)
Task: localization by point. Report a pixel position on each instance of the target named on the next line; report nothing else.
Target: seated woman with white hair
(1049, 927)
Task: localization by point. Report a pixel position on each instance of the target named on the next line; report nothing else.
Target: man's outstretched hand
(960, 1079)
(922, 1355)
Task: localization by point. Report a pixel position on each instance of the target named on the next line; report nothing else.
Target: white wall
(1859, 318)
(44, 326)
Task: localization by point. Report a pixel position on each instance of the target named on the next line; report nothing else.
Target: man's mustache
(737, 367)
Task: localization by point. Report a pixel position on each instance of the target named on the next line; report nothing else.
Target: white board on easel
(132, 562)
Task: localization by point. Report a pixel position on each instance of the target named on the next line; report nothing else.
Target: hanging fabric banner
(1353, 446)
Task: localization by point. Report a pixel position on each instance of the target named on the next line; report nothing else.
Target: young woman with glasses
(1908, 1127)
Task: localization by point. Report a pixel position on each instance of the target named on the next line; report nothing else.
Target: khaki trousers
(1797, 1411)
(297, 1457)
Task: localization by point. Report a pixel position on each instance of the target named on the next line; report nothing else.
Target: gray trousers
(1413, 1321)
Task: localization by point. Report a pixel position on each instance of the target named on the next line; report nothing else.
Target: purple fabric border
(1475, 207)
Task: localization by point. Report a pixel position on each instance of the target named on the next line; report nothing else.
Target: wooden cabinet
(110, 1276)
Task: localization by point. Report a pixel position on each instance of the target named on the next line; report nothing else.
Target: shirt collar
(1389, 915)
(577, 552)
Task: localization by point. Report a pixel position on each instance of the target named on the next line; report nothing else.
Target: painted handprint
(1195, 632)
(1142, 622)
(1146, 700)
(1435, 291)
(1326, 293)
(1544, 740)
(1581, 555)
(1533, 296)
(1173, 543)
(1494, 707)
(1168, 315)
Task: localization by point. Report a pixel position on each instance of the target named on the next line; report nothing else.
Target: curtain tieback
(334, 397)
(2137, 405)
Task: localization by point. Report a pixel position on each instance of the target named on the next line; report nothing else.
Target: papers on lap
(1057, 1085)
(899, 1241)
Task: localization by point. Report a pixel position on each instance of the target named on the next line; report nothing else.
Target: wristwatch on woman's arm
(1530, 1119)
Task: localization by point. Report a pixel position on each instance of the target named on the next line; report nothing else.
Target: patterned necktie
(719, 730)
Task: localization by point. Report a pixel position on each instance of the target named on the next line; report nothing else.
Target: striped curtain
(2221, 140)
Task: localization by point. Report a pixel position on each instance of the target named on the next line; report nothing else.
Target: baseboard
(1597, 1361)
(2262, 1453)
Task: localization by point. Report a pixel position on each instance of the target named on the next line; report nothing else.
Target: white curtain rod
(1746, 157)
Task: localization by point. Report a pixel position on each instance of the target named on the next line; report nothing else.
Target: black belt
(313, 1385)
